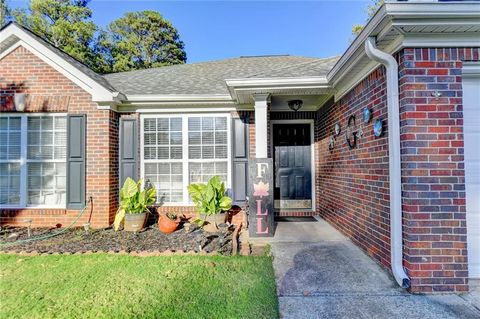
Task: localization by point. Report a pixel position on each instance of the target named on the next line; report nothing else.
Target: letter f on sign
(261, 169)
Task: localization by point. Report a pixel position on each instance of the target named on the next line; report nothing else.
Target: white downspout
(396, 244)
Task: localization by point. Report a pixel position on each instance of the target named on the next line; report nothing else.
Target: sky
(213, 30)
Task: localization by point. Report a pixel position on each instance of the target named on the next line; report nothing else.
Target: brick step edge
(111, 252)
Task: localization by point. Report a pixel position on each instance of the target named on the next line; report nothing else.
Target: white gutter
(396, 244)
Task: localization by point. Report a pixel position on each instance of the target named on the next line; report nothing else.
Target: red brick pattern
(433, 167)
(49, 91)
(352, 185)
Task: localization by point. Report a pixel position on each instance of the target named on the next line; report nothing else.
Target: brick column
(431, 122)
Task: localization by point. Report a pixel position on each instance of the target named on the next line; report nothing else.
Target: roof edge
(46, 52)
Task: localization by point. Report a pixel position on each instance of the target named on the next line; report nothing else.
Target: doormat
(295, 219)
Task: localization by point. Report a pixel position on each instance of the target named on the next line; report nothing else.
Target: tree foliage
(4, 13)
(140, 40)
(371, 10)
(66, 24)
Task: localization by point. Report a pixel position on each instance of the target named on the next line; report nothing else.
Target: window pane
(194, 138)
(163, 134)
(10, 155)
(207, 123)
(9, 183)
(168, 184)
(10, 138)
(220, 152)
(207, 138)
(150, 125)
(46, 183)
(207, 152)
(194, 124)
(163, 147)
(163, 138)
(163, 153)
(44, 141)
(46, 180)
(176, 124)
(176, 138)
(176, 152)
(162, 124)
(221, 137)
(220, 123)
(34, 123)
(150, 139)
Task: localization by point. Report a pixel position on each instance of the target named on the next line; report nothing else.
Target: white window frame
(185, 155)
(24, 161)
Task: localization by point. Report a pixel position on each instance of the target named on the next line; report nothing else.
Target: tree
(140, 40)
(66, 24)
(371, 10)
(4, 13)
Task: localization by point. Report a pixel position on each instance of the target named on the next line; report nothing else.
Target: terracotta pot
(134, 222)
(166, 225)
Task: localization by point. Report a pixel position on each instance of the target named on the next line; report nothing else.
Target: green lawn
(111, 286)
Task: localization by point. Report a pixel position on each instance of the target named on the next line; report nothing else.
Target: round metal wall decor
(367, 115)
(378, 128)
(350, 134)
(338, 128)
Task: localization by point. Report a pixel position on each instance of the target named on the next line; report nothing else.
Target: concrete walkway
(322, 274)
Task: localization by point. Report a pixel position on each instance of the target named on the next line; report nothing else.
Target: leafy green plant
(134, 200)
(210, 199)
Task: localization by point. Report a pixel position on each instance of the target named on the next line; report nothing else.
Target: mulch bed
(149, 239)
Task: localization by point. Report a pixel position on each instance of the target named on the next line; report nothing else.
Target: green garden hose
(63, 230)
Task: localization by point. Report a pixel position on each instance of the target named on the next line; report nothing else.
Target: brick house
(382, 141)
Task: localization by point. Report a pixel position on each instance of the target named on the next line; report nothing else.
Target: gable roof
(209, 77)
(21, 33)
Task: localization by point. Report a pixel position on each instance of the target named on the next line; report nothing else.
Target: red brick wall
(352, 184)
(433, 167)
(49, 91)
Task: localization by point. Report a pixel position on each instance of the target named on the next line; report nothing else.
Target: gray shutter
(128, 150)
(76, 161)
(239, 159)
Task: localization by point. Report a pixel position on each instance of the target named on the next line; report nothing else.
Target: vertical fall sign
(261, 215)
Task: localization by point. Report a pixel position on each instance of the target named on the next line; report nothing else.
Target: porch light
(19, 101)
(295, 105)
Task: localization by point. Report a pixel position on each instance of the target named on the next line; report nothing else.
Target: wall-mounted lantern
(19, 101)
(295, 105)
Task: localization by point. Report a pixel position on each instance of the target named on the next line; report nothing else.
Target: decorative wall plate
(338, 128)
(378, 128)
(367, 115)
(331, 144)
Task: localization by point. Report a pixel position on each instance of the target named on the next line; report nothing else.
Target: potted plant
(134, 203)
(168, 222)
(211, 202)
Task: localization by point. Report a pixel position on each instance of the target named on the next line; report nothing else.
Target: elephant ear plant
(210, 199)
(134, 200)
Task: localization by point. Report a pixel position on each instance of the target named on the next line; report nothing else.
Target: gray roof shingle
(199, 78)
(209, 77)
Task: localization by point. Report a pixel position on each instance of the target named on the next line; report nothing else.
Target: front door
(292, 164)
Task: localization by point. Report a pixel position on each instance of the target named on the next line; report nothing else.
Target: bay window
(181, 149)
(33, 160)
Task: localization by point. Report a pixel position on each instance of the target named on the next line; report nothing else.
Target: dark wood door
(292, 162)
